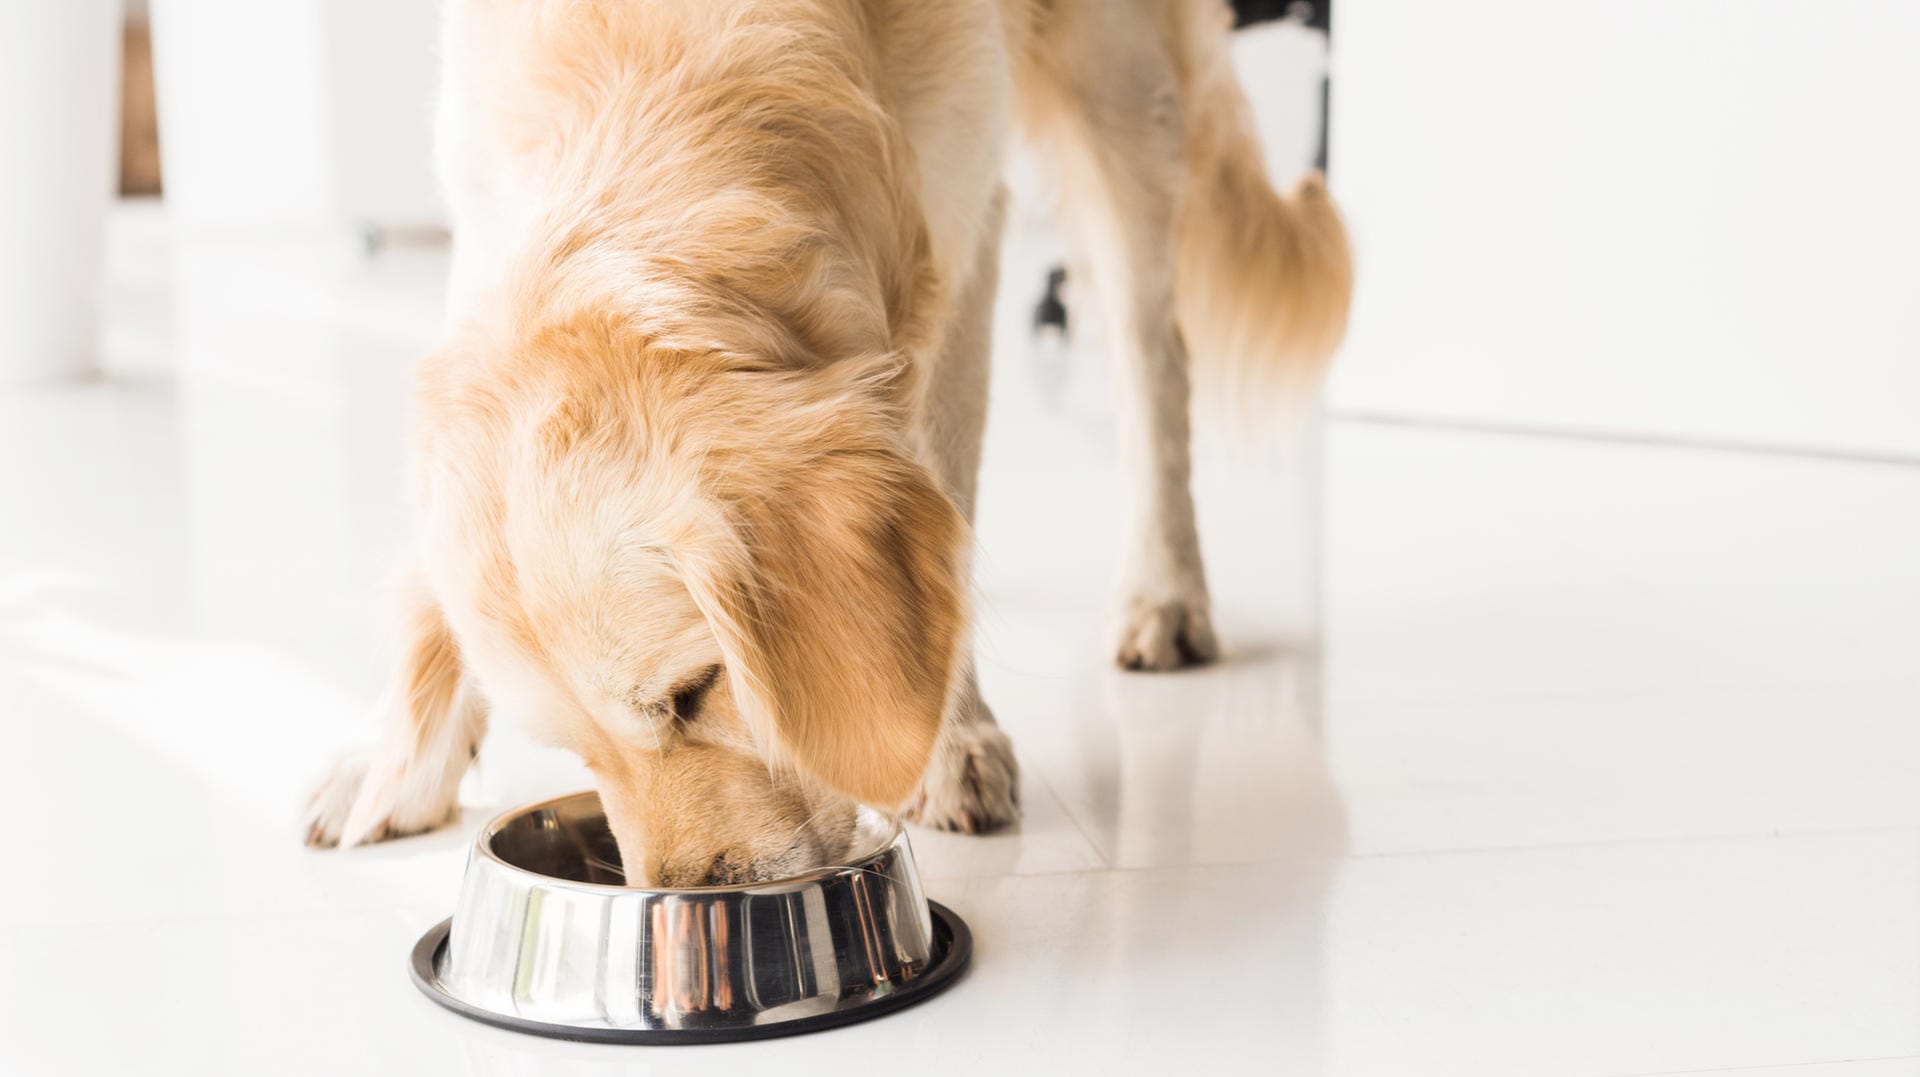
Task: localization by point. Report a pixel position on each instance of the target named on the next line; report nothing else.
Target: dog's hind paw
(354, 805)
(972, 784)
(1166, 635)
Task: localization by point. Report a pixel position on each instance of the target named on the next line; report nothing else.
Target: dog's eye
(687, 697)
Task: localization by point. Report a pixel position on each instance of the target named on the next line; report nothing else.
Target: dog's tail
(1261, 280)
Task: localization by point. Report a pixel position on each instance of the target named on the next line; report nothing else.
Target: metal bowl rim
(483, 847)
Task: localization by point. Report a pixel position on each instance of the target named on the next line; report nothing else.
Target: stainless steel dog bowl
(547, 939)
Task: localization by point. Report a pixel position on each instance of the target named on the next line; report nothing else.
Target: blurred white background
(1691, 220)
(1568, 718)
(1681, 221)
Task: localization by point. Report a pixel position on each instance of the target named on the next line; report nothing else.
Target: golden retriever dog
(695, 463)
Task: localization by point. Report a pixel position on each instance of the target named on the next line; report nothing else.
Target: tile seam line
(1106, 858)
(364, 908)
(1783, 1066)
(1348, 858)
(1734, 447)
(1620, 697)
(1616, 843)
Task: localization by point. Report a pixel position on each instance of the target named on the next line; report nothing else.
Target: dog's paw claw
(334, 805)
(1166, 635)
(332, 800)
(972, 785)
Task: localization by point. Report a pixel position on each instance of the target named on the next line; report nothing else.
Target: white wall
(242, 114)
(297, 116)
(383, 68)
(1695, 219)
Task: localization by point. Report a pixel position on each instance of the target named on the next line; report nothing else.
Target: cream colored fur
(695, 463)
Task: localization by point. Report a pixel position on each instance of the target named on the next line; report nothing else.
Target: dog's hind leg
(1101, 94)
(972, 783)
(432, 722)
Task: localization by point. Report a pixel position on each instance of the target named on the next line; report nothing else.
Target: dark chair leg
(1050, 312)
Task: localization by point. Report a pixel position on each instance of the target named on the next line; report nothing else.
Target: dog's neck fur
(734, 191)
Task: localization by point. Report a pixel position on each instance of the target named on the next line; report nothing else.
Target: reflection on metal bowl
(548, 939)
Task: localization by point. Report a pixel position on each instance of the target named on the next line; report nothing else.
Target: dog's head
(726, 589)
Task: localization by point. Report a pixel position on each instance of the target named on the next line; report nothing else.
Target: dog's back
(682, 164)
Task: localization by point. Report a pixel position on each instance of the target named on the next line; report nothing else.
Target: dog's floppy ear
(842, 616)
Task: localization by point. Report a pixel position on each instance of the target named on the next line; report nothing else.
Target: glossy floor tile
(1529, 756)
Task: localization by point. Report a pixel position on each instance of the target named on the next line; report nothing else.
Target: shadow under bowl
(548, 939)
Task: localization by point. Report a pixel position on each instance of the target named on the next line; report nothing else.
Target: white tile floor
(1529, 756)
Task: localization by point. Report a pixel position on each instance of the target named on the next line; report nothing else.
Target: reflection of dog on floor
(695, 462)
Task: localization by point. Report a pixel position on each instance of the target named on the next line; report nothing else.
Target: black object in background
(1314, 13)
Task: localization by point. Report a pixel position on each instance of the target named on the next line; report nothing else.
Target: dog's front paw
(972, 785)
(1166, 634)
(357, 805)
